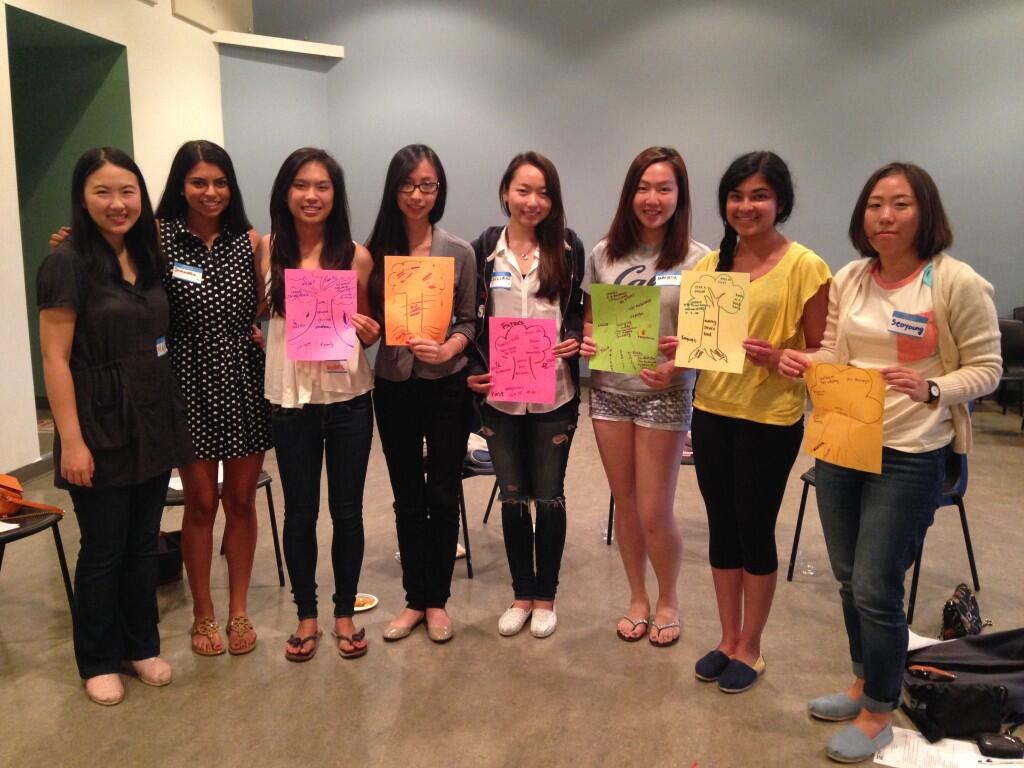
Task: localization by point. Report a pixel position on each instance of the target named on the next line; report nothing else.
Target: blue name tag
(501, 280)
(906, 324)
(187, 273)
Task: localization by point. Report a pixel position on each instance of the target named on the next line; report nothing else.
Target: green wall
(69, 92)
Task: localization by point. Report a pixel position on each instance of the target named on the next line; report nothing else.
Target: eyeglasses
(425, 187)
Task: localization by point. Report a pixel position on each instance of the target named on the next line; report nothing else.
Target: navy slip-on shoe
(710, 666)
(737, 677)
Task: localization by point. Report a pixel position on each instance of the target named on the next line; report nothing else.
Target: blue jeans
(302, 436)
(874, 525)
(530, 453)
(115, 578)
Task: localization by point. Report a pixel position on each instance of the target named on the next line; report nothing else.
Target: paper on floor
(909, 749)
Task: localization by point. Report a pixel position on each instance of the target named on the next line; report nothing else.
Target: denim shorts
(669, 410)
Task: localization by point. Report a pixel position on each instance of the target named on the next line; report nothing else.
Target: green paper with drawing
(713, 316)
(626, 320)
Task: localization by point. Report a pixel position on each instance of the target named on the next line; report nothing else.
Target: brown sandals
(207, 627)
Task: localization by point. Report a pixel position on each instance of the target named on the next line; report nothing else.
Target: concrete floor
(581, 697)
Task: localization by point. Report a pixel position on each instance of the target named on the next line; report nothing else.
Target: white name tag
(335, 366)
(908, 325)
(187, 273)
(161, 347)
(668, 278)
(501, 280)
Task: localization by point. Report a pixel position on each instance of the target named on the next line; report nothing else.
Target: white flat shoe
(512, 621)
(152, 671)
(106, 690)
(544, 622)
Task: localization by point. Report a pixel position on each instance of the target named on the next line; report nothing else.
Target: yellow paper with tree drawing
(418, 295)
(846, 425)
(713, 316)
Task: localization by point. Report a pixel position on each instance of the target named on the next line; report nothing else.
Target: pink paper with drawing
(318, 307)
(523, 362)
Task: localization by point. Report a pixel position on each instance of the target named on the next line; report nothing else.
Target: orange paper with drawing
(417, 298)
(713, 317)
(846, 425)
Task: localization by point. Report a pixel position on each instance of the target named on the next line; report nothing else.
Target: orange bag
(11, 499)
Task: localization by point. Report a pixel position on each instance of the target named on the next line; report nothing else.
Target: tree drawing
(846, 425)
(711, 295)
(419, 288)
(526, 348)
(320, 304)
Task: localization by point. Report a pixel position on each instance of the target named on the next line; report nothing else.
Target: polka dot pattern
(218, 366)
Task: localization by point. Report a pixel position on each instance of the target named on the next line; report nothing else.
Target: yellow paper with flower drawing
(845, 427)
(713, 317)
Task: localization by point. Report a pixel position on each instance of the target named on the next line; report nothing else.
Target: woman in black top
(120, 419)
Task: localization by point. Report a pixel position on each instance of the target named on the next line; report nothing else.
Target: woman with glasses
(531, 268)
(420, 393)
(640, 421)
(320, 409)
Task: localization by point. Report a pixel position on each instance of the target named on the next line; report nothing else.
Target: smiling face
(527, 197)
(655, 200)
(311, 195)
(416, 205)
(892, 216)
(112, 198)
(206, 190)
(752, 207)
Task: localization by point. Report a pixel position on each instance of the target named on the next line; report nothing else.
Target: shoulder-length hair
(553, 273)
(173, 204)
(933, 231)
(140, 241)
(775, 172)
(338, 248)
(624, 234)
(388, 238)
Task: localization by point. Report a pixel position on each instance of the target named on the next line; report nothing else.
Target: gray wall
(837, 88)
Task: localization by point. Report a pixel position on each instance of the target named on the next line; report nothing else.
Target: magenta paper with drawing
(523, 361)
(318, 309)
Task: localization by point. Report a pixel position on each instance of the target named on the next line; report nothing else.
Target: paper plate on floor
(365, 602)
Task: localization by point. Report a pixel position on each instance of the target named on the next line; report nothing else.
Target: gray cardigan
(398, 363)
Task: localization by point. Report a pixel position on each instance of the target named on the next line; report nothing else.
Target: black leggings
(742, 468)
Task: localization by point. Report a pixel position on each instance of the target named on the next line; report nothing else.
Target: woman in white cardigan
(927, 322)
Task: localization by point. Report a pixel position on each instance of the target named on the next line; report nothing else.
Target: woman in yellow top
(747, 427)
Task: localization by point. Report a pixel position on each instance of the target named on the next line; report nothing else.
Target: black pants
(530, 453)
(742, 468)
(115, 578)
(302, 437)
(426, 508)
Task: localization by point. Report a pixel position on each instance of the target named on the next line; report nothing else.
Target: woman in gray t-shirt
(640, 421)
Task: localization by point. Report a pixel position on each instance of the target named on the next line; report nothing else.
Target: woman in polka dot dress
(213, 286)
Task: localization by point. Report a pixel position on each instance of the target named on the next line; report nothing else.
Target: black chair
(1011, 345)
(472, 469)
(176, 498)
(1018, 313)
(953, 492)
(686, 460)
(31, 521)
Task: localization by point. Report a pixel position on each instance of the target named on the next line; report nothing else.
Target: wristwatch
(933, 391)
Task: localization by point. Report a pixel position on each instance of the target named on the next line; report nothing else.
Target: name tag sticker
(187, 273)
(161, 347)
(906, 324)
(501, 280)
(668, 278)
(335, 366)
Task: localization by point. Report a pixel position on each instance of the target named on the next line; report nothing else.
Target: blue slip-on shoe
(851, 745)
(710, 666)
(834, 707)
(737, 677)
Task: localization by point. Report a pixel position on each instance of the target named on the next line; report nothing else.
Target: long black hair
(553, 271)
(173, 204)
(338, 248)
(775, 172)
(140, 241)
(388, 236)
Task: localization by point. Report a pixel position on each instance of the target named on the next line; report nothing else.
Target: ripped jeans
(530, 453)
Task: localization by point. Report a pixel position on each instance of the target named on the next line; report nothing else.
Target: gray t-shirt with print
(637, 268)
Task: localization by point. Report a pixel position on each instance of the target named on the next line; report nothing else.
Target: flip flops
(636, 623)
(659, 628)
(356, 638)
(301, 655)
